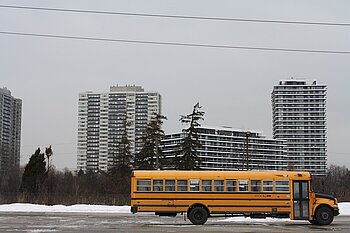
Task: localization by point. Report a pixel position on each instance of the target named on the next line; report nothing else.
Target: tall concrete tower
(101, 123)
(10, 130)
(299, 117)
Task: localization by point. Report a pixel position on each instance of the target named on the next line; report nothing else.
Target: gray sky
(233, 86)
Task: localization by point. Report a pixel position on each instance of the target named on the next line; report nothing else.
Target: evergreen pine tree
(120, 170)
(34, 173)
(151, 156)
(145, 158)
(123, 156)
(188, 159)
(80, 172)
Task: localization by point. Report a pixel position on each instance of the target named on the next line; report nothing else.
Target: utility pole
(157, 154)
(247, 149)
(49, 153)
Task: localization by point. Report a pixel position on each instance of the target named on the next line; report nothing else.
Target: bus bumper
(133, 209)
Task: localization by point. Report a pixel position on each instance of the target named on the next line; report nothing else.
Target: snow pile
(344, 208)
(24, 207)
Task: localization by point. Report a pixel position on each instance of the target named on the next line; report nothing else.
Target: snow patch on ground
(25, 207)
(253, 220)
(38, 230)
(344, 208)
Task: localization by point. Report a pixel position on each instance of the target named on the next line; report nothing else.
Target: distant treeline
(63, 187)
(336, 183)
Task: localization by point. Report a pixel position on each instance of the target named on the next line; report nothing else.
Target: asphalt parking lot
(80, 222)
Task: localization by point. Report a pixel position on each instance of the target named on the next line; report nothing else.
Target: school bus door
(300, 199)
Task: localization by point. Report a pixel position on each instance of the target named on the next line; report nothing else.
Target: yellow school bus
(255, 194)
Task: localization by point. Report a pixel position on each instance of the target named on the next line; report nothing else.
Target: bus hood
(321, 195)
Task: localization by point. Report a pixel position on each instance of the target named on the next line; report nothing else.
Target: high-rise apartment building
(101, 123)
(224, 148)
(299, 117)
(10, 130)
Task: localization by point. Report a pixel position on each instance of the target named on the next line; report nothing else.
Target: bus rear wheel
(198, 215)
(324, 216)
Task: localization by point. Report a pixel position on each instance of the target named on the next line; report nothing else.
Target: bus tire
(198, 215)
(324, 215)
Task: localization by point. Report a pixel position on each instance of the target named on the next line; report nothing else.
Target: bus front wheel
(198, 215)
(324, 216)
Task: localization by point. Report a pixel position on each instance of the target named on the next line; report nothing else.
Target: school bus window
(194, 185)
(230, 185)
(267, 186)
(304, 193)
(182, 186)
(255, 185)
(143, 185)
(157, 185)
(296, 191)
(243, 185)
(170, 185)
(218, 185)
(282, 185)
(206, 185)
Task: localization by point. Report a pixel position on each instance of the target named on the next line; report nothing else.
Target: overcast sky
(233, 85)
